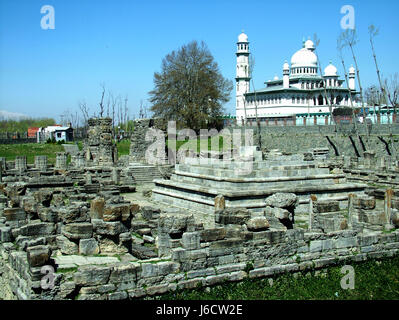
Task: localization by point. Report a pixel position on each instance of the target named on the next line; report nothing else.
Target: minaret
(286, 75)
(242, 74)
(352, 83)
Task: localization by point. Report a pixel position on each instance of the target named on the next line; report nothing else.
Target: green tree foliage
(190, 89)
(23, 125)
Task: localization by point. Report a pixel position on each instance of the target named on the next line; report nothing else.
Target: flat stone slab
(76, 260)
(72, 149)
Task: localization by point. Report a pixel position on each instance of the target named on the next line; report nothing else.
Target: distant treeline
(23, 125)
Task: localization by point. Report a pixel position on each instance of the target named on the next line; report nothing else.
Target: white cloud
(7, 115)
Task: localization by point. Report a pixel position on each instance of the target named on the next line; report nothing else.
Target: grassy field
(374, 280)
(30, 150)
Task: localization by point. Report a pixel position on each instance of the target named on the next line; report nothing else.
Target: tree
(348, 38)
(190, 89)
(392, 90)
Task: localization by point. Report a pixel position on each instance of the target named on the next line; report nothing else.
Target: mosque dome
(330, 71)
(242, 37)
(304, 58)
(309, 45)
(286, 66)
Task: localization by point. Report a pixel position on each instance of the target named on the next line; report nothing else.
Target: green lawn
(374, 280)
(30, 150)
(123, 147)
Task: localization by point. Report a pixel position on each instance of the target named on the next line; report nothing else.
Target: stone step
(266, 172)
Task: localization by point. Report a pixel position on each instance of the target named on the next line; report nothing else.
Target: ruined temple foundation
(197, 182)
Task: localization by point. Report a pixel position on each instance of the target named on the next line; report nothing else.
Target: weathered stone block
(346, 242)
(149, 270)
(108, 228)
(92, 275)
(66, 246)
(78, 230)
(326, 206)
(43, 196)
(38, 255)
(233, 216)
(36, 229)
(258, 224)
(175, 223)
(148, 239)
(116, 212)
(5, 234)
(167, 267)
(14, 214)
(213, 234)
(97, 208)
(142, 252)
(47, 214)
(279, 213)
(124, 272)
(88, 246)
(366, 203)
(191, 240)
(281, 200)
(149, 213)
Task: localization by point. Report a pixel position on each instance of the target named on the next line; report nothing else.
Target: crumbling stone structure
(99, 147)
(138, 143)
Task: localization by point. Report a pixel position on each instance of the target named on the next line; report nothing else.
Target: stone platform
(197, 182)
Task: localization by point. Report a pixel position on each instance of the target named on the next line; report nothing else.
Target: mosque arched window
(320, 100)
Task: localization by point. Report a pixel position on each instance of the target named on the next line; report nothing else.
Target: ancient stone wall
(138, 143)
(99, 146)
(340, 140)
(204, 258)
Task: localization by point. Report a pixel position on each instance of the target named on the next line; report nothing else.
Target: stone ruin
(205, 225)
(99, 147)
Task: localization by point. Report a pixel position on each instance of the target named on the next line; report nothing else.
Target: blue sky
(122, 43)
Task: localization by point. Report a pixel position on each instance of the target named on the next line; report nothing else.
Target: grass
(30, 150)
(123, 147)
(374, 280)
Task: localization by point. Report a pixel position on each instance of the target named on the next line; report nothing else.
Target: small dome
(242, 37)
(351, 70)
(309, 45)
(330, 71)
(286, 66)
(304, 58)
(275, 77)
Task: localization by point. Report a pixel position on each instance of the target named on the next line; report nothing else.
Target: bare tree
(85, 111)
(339, 47)
(250, 70)
(316, 42)
(126, 118)
(348, 38)
(392, 90)
(141, 111)
(102, 101)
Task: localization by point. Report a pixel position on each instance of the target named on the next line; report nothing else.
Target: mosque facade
(301, 91)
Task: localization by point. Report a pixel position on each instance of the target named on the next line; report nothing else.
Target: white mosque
(301, 91)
